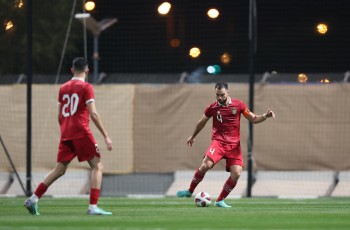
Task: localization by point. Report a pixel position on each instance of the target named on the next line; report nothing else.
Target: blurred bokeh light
(213, 13)
(175, 42)
(90, 5)
(19, 3)
(322, 28)
(225, 58)
(195, 52)
(8, 25)
(164, 8)
(302, 78)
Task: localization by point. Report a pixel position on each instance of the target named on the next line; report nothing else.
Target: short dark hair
(80, 64)
(220, 85)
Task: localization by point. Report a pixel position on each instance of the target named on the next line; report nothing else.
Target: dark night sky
(287, 41)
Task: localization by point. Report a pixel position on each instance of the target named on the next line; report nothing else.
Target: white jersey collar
(78, 78)
(223, 105)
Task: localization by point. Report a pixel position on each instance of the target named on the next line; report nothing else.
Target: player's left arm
(258, 118)
(59, 107)
(95, 117)
(59, 112)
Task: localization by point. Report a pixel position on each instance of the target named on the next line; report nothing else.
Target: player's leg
(206, 165)
(32, 202)
(64, 156)
(198, 176)
(59, 170)
(87, 150)
(212, 156)
(234, 165)
(230, 184)
(96, 181)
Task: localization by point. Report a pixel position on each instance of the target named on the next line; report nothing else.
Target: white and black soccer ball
(202, 199)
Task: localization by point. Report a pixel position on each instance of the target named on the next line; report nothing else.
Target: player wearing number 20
(226, 113)
(76, 103)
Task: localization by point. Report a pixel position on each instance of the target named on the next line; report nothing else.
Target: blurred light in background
(225, 58)
(89, 5)
(19, 3)
(213, 69)
(322, 28)
(175, 42)
(213, 13)
(8, 25)
(325, 80)
(302, 78)
(210, 69)
(195, 52)
(164, 8)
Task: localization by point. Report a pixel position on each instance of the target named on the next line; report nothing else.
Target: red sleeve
(89, 93)
(243, 106)
(244, 109)
(208, 111)
(59, 96)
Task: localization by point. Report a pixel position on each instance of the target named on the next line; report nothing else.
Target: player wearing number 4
(76, 103)
(226, 113)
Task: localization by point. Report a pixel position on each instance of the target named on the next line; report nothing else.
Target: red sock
(94, 195)
(197, 178)
(40, 190)
(228, 186)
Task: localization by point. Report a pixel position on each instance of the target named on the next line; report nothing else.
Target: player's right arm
(95, 117)
(200, 125)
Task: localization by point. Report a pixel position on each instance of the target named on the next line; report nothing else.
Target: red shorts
(232, 153)
(85, 149)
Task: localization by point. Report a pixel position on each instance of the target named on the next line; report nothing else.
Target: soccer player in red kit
(226, 113)
(76, 103)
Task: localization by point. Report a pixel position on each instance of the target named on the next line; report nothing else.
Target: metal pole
(84, 31)
(29, 97)
(252, 49)
(85, 35)
(95, 57)
(65, 41)
(12, 165)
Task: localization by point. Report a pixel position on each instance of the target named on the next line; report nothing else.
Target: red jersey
(226, 120)
(73, 97)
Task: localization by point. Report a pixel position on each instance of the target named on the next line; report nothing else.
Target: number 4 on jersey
(71, 103)
(212, 150)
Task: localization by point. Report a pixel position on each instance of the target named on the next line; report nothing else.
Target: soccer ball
(202, 199)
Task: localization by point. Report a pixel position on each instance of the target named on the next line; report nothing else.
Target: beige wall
(149, 126)
(114, 104)
(165, 116)
(311, 132)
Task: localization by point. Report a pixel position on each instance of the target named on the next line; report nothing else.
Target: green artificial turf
(176, 213)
